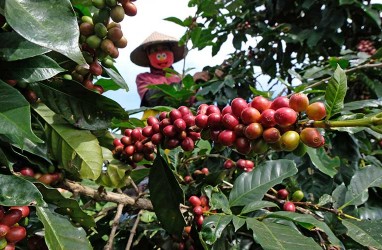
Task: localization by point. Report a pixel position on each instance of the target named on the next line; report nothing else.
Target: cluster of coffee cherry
(46, 178)
(247, 127)
(199, 206)
(288, 204)
(366, 46)
(101, 39)
(244, 164)
(11, 230)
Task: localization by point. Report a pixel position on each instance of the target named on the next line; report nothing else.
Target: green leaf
(15, 116)
(252, 186)
(323, 162)
(117, 78)
(367, 233)
(220, 201)
(79, 106)
(60, 234)
(115, 176)
(163, 186)
(307, 221)
(65, 206)
(50, 24)
(32, 69)
(273, 236)
(357, 194)
(256, 205)
(213, 227)
(175, 20)
(237, 222)
(139, 174)
(14, 47)
(77, 151)
(335, 93)
(15, 191)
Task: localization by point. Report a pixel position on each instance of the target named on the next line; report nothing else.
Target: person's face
(160, 56)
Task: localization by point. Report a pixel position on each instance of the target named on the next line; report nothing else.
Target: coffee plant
(280, 149)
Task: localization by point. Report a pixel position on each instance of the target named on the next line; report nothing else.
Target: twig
(133, 231)
(109, 245)
(134, 185)
(123, 199)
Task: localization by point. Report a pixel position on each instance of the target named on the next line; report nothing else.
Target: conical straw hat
(139, 56)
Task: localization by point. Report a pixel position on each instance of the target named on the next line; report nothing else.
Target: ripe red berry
(227, 137)
(260, 103)
(228, 164)
(194, 201)
(212, 109)
(4, 229)
(250, 115)
(280, 102)
(267, 118)
(205, 171)
(238, 105)
(16, 233)
(169, 131)
(289, 206)
(179, 125)
(227, 110)
(175, 114)
(282, 194)
(285, 117)
(243, 145)
(198, 210)
(253, 131)
(214, 120)
(202, 109)
(203, 200)
(24, 210)
(189, 119)
(201, 120)
(241, 163)
(187, 144)
(26, 171)
(316, 111)
(136, 134)
(147, 131)
(271, 135)
(311, 137)
(11, 217)
(187, 179)
(298, 102)
(229, 121)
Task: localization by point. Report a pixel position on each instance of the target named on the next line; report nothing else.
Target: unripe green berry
(67, 77)
(107, 62)
(117, 14)
(93, 41)
(298, 195)
(290, 140)
(100, 30)
(100, 4)
(87, 19)
(111, 3)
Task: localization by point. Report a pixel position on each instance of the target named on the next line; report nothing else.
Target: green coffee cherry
(100, 30)
(111, 3)
(100, 4)
(93, 41)
(87, 19)
(107, 63)
(117, 14)
(298, 195)
(67, 77)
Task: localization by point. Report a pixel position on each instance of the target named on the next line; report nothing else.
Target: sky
(150, 17)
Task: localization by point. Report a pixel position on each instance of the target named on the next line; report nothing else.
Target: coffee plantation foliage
(249, 163)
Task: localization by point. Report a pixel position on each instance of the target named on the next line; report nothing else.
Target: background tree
(189, 179)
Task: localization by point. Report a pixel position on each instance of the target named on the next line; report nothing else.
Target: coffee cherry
(202, 109)
(243, 145)
(187, 179)
(259, 146)
(26, 171)
(250, 115)
(316, 111)
(189, 119)
(24, 210)
(129, 8)
(299, 102)
(214, 120)
(241, 163)
(298, 195)
(180, 125)
(205, 171)
(267, 118)
(282, 194)
(253, 131)
(289, 206)
(228, 164)
(114, 34)
(199, 220)
(227, 137)
(201, 121)
(229, 121)
(227, 110)
(311, 137)
(15, 234)
(198, 210)
(187, 144)
(280, 102)
(238, 105)
(271, 135)
(86, 29)
(11, 217)
(260, 103)
(117, 13)
(4, 229)
(285, 117)
(100, 4)
(93, 41)
(194, 201)
(290, 140)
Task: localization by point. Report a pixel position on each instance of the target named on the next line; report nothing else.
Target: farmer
(158, 51)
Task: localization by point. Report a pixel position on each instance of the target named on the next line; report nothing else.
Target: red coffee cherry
(201, 120)
(151, 120)
(267, 118)
(253, 131)
(26, 171)
(280, 102)
(212, 109)
(227, 137)
(250, 115)
(271, 135)
(187, 144)
(289, 206)
(260, 103)
(198, 210)
(24, 210)
(311, 137)
(298, 102)
(238, 105)
(4, 229)
(11, 217)
(16, 233)
(194, 201)
(243, 145)
(285, 117)
(228, 164)
(229, 121)
(282, 194)
(316, 111)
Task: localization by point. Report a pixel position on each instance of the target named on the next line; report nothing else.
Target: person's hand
(202, 76)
